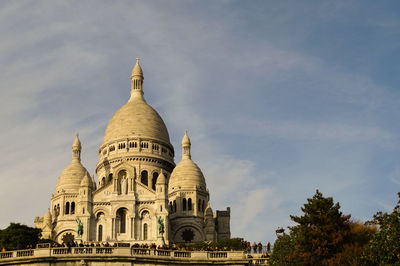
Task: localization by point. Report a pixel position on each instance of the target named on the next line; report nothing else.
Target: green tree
(321, 232)
(384, 248)
(353, 252)
(19, 236)
(282, 251)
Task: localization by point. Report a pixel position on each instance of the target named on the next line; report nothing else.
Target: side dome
(71, 177)
(186, 174)
(136, 118)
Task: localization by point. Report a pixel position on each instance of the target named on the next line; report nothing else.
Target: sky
(279, 98)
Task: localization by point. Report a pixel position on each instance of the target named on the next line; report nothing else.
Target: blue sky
(280, 98)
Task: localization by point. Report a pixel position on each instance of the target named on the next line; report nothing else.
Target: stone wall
(120, 256)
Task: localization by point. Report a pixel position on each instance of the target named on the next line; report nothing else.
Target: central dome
(136, 118)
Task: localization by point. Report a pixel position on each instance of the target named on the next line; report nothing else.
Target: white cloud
(66, 68)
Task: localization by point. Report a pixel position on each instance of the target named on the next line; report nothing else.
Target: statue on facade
(79, 227)
(160, 225)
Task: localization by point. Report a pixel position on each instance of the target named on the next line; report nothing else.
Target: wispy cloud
(271, 113)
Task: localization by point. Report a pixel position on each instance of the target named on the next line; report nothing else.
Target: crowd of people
(256, 248)
(136, 245)
(246, 246)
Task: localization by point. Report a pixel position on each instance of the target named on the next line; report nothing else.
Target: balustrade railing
(217, 255)
(24, 253)
(160, 252)
(263, 261)
(104, 250)
(6, 255)
(141, 251)
(61, 251)
(124, 251)
(182, 254)
(83, 250)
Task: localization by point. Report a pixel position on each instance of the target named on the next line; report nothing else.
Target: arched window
(103, 181)
(145, 232)
(174, 205)
(67, 208)
(189, 204)
(109, 178)
(144, 178)
(154, 180)
(184, 204)
(202, 207)
(100, 233)
(72, 207)
(121, 220)
(199, 206)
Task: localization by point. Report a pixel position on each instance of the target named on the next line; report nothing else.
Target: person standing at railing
(254, 247)
(259, 247)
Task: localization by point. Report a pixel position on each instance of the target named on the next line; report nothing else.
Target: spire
(186, 146)
(76, 148)
(137, 81)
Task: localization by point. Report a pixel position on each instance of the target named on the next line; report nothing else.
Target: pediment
(103, 192)
(144, 193)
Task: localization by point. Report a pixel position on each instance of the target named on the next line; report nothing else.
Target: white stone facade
(138, 183)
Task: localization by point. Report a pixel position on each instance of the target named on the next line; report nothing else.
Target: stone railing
(182, 254)
(258, 259)
(137, 254)
(218, 254)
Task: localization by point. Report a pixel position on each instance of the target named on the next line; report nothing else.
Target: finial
(185, 131)
(137, 60)
(77, 134)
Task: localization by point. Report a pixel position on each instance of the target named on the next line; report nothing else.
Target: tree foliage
(353, 252)
(384, 248)
(283, 250)
(322, 236)
(321, 232)
(19, 236)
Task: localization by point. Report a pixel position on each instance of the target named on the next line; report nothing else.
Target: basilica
(140, 195)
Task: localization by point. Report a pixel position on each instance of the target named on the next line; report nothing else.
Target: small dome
(71, 177)
(86, 182)
(136, 118)
(186, 174)
(137, 70)
(47, 216)
(208, 211)
(161, 180)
